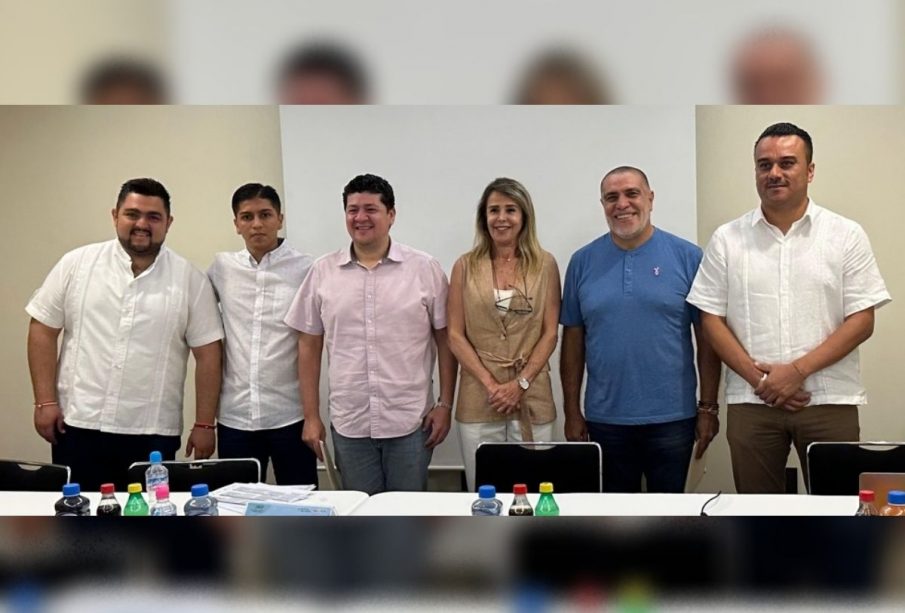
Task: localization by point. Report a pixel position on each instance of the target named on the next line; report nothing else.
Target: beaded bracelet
(710, 408)
(204, 426)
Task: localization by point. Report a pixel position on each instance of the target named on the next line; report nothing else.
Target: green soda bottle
(135, 505)
(546, 506)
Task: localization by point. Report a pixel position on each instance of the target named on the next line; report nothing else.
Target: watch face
(523, 383)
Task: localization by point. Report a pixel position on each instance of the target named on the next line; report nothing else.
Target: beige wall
(859, 173)
(60, 170)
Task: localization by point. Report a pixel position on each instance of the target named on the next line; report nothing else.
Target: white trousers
(473, 434)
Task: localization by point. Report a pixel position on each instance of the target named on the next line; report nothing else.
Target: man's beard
(149, 249)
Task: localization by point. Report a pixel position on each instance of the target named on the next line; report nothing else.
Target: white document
(333, 477)
(697, 468)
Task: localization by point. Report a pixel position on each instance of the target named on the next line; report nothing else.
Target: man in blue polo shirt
(624, 316)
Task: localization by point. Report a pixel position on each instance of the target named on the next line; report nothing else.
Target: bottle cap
(134, 488)
(487, 491)
(896, 497)
(546, 487)
(107, 488)
(155, 457)
(162, 491)
(72, 489)
(519, 489)
(866, 495)
(199, 489)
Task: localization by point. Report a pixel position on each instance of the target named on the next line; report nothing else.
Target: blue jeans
(660, 452)
(374, 465)
(293, 461)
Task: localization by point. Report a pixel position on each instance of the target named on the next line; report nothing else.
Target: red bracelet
(204, 426)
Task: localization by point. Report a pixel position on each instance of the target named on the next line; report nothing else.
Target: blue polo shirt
(638, 328)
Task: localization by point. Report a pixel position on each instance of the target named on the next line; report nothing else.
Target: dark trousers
(660, 452)
(97, 457)
(293, 461)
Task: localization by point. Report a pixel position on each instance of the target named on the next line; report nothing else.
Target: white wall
(439, 159)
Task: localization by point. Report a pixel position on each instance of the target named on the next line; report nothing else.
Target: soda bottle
(156, 474)
(546, 506)
(520, 504)
(72, 502)
(895, 504)
(108, 505)
(866, 506)
(162, 505)
(487, 503)
(201, 503)
(135, 505)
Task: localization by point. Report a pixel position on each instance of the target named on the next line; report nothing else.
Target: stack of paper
(233, 498)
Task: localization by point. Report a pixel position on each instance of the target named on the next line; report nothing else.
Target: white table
(41, 503)
(456, 503)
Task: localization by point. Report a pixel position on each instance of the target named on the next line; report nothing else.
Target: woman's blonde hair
(528, 246)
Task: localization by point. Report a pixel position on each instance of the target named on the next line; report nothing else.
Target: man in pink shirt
(380, 306)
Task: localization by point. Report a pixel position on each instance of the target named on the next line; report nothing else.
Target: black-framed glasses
(517, 303)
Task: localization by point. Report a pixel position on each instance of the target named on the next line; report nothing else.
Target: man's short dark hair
(143, 79)
(621, 169)
(330, 59)
(788, 129)
(250, 191)
(144, 187)
(370, 184)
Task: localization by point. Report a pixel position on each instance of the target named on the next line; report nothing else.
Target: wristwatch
(524, 383)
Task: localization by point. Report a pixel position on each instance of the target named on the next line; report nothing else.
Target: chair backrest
(834, 468)
(22, 476)
(571, 467)
(216, 473)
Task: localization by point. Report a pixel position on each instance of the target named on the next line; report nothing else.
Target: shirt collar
(809, 213)
(123, 256)
(274, 255)
(394, 254)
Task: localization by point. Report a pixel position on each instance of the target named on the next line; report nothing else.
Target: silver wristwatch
(524, 383)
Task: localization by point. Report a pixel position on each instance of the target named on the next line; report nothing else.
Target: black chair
(834, 468)
(571, 467)
(19, 476)
(215, 473)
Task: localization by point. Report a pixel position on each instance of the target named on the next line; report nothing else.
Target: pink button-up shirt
(378, 326)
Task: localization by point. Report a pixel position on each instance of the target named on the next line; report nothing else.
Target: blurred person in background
(322, 73)
(123, 81)
(625, 318)
(260, 411)
(503, 315)
(560, 76)
(787, 294)
(776, 66)
(380, 308)
(129, 310)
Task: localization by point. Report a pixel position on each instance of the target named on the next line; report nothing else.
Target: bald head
(776, 66)
(623, 169)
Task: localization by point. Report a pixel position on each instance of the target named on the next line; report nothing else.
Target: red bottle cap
(866, 495)
(107, 488)
(519, 488)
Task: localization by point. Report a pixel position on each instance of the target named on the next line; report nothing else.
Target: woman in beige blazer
(503, 317)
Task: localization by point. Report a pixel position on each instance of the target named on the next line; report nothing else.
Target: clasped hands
(505, 397)
(780, 386)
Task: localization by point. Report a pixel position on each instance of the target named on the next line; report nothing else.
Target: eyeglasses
(517, 303)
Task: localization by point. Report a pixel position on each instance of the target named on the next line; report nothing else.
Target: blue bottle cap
(155, 457)
(72, 489)
(199, 489)
(896, 497)
(487, 491)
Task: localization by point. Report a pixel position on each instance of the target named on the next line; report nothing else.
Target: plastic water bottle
(866, 507)
(108, 505)
(72, 502)
(895, 504)
(135, 505)
(546, 505)
(201, 503)
(520, 504)
(162, 506)
(487, 503)
(156, 475)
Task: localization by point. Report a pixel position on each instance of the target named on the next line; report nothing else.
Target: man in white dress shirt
(787, 293)
(260, 411)
(129, 310)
